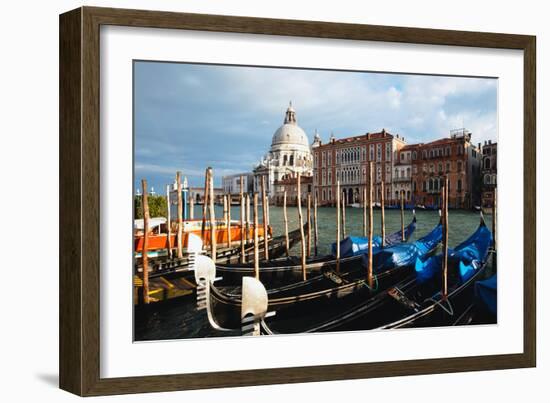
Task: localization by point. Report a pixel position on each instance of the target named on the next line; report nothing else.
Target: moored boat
(289, 269)
(314, 294)
(356, 246)
(414, 301)
(159, 241)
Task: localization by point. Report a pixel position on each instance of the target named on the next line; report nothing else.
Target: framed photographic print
(237, 193)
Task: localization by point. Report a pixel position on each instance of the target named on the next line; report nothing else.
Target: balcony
(402, 179)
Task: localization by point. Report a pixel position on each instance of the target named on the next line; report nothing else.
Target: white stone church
(289, 154)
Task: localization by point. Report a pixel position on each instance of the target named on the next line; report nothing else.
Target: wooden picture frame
(80, 198)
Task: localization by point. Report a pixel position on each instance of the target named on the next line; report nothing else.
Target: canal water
(179, 318)
(461, 222)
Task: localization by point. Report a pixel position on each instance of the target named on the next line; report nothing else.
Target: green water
(462, 223)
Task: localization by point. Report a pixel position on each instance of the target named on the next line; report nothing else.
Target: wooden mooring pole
(168, 223)
(265, 220)
(315, 227)
(343, 215)
(228, 222)
(224, 198)
(382, 214)
(370, 279)
(402, 216)
(241, 216)
(309, 224)
(445, 196)
(180, 217)
(285, 218)
(338, 195)
(205, 203)
(301, 222)
(365, 210)
(256, 248)
(144, 257)
(212, 213)
(191, 207)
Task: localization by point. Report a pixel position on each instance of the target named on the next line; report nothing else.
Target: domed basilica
(289, 154)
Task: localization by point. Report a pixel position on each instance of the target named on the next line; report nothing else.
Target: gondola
(288, 270)
(356, 246)
(276, 247)
(415, 301)
(390, 264)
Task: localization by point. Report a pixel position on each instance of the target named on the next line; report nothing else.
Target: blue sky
(190, 116)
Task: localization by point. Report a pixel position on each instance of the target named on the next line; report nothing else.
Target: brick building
(403, 172)
(455, 157)
(346, 160)
(488, 173)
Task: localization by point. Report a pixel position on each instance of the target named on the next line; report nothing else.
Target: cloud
(190, 116)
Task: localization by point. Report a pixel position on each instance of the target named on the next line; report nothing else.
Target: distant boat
(355, 205)
(159, 241)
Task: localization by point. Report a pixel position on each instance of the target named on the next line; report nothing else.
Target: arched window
(414, 155)
(440, 167)
(459, 185)
(285, 160)
(408, 195)
(487, 163)
(291, 162)
(431, 185)
(494, 179)
(487, 179)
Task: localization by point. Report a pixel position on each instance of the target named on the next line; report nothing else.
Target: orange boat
(158, 239)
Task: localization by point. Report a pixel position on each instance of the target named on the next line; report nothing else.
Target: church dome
(290, 135)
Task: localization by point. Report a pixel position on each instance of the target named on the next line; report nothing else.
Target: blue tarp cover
(404, 254)
(355, 245)
(468, 256)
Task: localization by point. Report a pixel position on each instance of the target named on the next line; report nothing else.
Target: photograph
(274, 200)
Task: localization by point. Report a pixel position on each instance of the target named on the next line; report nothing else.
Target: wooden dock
(163, 288)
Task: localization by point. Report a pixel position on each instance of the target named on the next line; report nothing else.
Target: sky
(191, 116)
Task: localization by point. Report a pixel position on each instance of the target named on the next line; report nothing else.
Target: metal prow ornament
(253, 306)
(205, 275)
